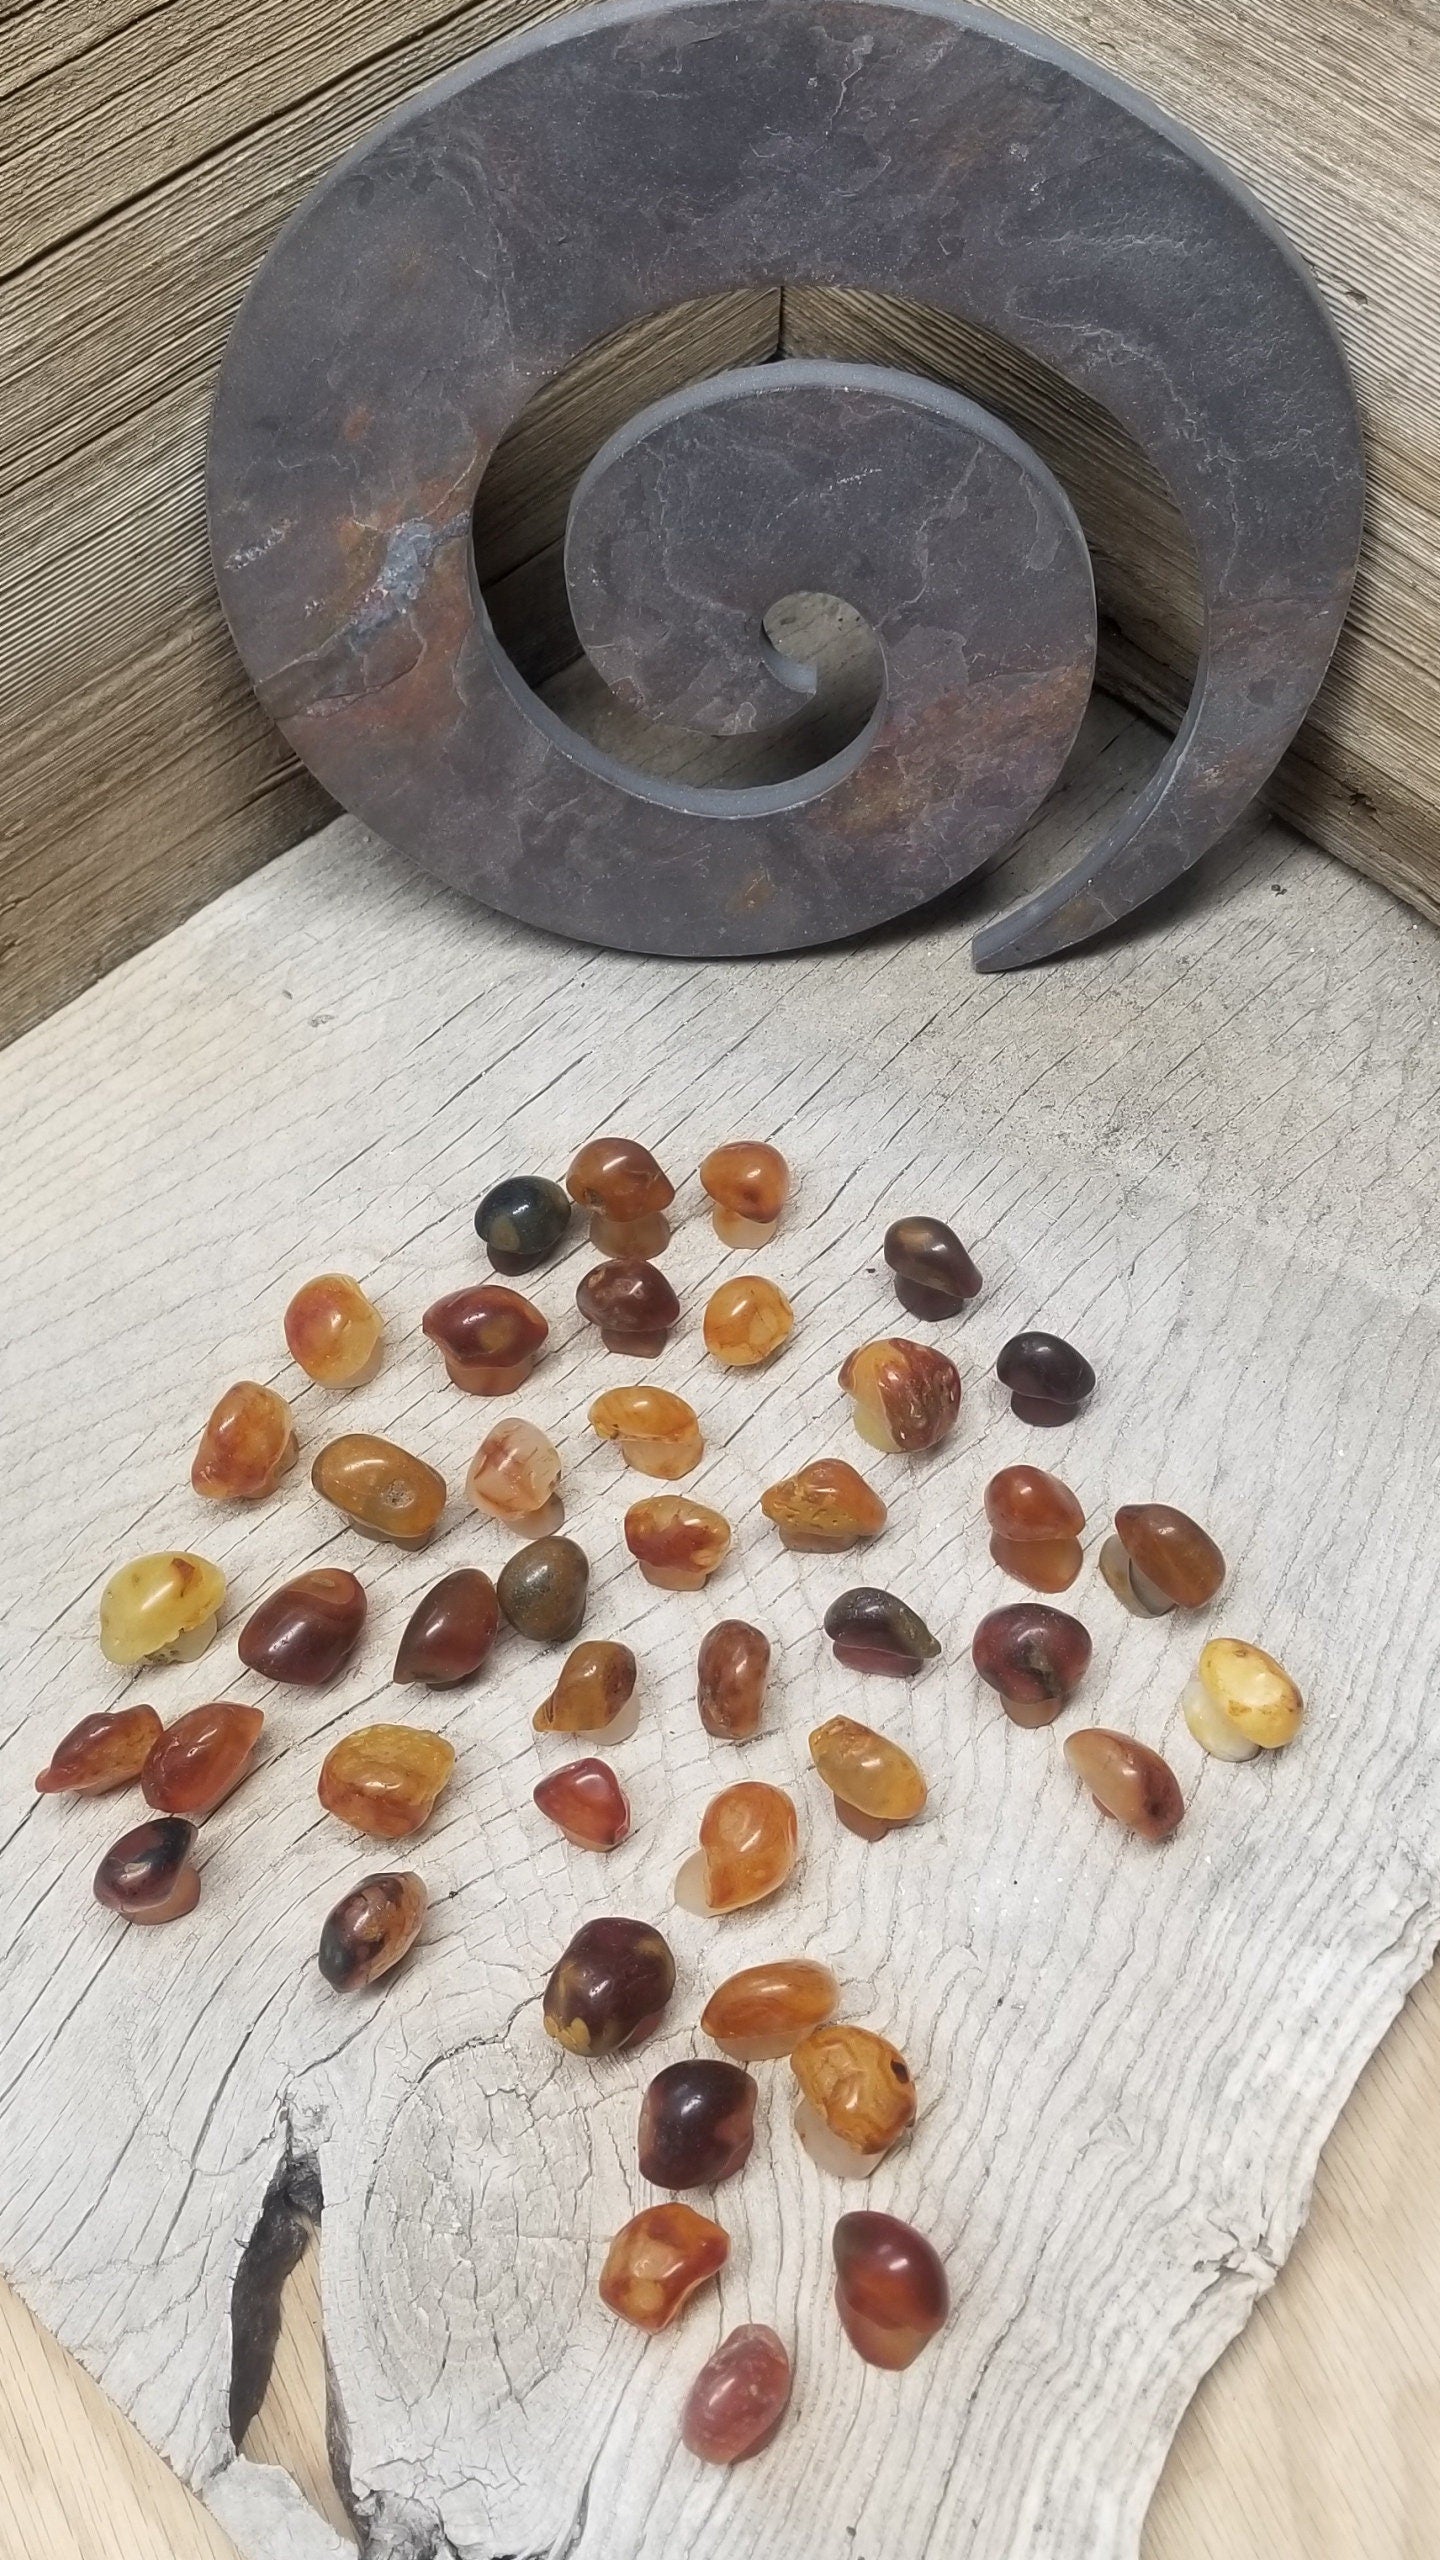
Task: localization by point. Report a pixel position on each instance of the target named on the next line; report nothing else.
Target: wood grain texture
(1312, 2438)
(149, 151)
(1209, 1152)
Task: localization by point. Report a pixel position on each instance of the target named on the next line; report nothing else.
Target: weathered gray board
(1210, 1155)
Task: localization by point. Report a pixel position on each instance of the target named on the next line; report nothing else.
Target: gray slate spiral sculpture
(627, 158)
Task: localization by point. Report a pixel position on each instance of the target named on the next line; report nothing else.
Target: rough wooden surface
(1210, 1152)
(149, 150)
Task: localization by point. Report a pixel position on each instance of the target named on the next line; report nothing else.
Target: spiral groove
(619, 161)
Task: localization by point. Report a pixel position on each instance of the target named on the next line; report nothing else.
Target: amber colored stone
(161, 1608)
(371, 1928)
(749, 1184)
(515, 1476)
(543, 1589)
(149, 1875)
(874, 1631)
(384, 1779)
(1160, 1559)
(746, 1321)
(1036, 1523)
(676, 1543)
(903, 1395)
(633, 1305)
(381, 1489)
(596, 1685)
(1241, 1701)
(450, 1630)
(626, 1193)
(825, 1508)
(586, 1801)
(488, 1337)
(762, 2013)
(334, 1333)
(100, 1752)
(245, 1447)
(857, 2097)
(1049, 1380)
(611, 1986)
(738, 2397)
(934, 1275)
(749, 1842)
(731, 1674)
(876, 1785)
(522, 1221)
(891, 2290)
(1127, 1780)
(1036, 1657)
(200, 1758)
(656, 2262)
(659, 1434)
(307, 1630)
(697, 2123)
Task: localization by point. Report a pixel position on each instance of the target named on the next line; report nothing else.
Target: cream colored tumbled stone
(1241, 1700)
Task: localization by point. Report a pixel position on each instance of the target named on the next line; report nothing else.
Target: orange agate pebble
(586, 1801)
(380, 1488)
(1036, 1522)
(762, 2013)
(1128, 1780)
(731, 1671)
(101, 1752)
(632, 1304)
(749, 1842)
(200, 1758)
(489, 1337)
(333, 1331)
(657, 2261)
(384, 1780)
(903, 1395)
(749, 1183)
(371, 1929)
(738, 2397)
(595, 1688)
(245, 1447)
(856, 2098)
(827, 1507)
(149, 1876)
(676, 1543)
(1160, 1559)
(876, 1785)
(515, 1477)
(659, 1434)
(746, 1321)
(626, 1193)
(891, 2289)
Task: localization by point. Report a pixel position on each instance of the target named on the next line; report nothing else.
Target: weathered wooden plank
(1126, 2061)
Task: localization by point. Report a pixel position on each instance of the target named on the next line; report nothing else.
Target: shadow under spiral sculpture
(621, 160)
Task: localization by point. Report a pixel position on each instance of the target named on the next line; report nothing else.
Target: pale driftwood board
(1127, 2060)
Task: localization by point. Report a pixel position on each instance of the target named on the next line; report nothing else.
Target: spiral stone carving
(631, 157)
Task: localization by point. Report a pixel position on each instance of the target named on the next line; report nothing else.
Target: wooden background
(149, 150)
